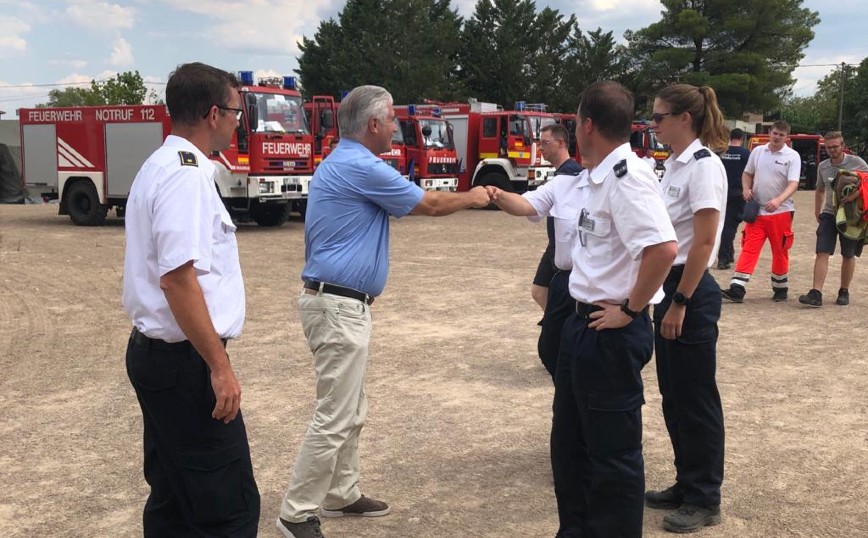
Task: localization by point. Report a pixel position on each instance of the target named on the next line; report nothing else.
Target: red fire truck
(87, 157)
(495, 146)
(432, 162)
(321, 113)
(644, 142)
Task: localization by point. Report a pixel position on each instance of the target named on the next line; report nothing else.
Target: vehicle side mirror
(328, 119)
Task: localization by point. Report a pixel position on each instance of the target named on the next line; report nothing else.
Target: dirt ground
(457, 436)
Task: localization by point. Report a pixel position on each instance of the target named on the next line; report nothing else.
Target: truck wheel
(83, 205)
(496, 179)
(270, 215)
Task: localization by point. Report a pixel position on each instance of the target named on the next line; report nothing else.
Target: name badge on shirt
(674, 191)
(585, 221)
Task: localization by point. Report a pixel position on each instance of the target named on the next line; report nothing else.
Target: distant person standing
(549, 287)
(734, 161)
(559, 201)
(771, 177)
(184, 293)
(827, 232)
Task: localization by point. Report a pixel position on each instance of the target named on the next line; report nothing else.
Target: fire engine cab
(497, 147)
(432, 162)
(87, 157)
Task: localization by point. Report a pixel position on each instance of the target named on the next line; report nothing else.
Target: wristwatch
(681, 299)
(626, 309)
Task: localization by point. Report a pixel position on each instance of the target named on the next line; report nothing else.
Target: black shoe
(724, 265)
(733, 293)
(812, 298)
(843, 297)
(668, 499)
(691, 518)
(780, 295)
(305, 529)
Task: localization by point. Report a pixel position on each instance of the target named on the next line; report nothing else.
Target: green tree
(594, 56)
(498, 44)
(126, 88)
(552, 61)
(745, 50)
(407, 46)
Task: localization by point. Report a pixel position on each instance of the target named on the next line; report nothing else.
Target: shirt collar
(688, 152)
(601, 171)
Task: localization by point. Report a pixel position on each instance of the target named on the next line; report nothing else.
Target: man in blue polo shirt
(352, 195)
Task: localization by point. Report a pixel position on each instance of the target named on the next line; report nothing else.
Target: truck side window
(489, 127)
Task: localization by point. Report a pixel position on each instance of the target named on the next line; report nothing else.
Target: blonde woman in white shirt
(694, 188)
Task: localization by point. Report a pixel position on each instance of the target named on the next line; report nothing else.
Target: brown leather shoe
(364, 507)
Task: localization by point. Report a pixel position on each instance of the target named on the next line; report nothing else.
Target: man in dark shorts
(827, 232)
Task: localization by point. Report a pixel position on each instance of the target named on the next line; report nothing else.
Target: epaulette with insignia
(621, 168)
(188, 158)
(701, 154)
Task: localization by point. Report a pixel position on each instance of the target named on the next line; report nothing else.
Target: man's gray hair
(360, 105)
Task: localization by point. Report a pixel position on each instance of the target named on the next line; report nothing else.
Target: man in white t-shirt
(770, 178)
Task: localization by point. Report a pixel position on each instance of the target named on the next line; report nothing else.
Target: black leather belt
(333, 289)
(155, 343)
(584, 310)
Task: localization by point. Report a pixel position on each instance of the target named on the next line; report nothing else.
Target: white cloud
(100, 15)
(122, 53)
(266, 27)
(11, 37)
(71, 63)
(817, 68)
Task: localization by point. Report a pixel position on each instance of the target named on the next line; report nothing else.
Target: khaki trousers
(326, 470)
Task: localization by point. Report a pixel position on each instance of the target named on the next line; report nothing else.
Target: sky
(51, 43)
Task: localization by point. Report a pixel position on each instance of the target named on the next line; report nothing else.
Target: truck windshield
(280, 114)
(538, 122)
(441, 135)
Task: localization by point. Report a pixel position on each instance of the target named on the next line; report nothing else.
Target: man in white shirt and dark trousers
(771, 177)
(184, 293)
(624, 247)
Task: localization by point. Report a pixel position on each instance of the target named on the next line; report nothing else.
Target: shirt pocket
(225, 247)
(566, 227)
(595, 237)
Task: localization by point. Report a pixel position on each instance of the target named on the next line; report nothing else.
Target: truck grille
(443, 168)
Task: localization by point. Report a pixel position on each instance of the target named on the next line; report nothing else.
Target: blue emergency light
(344, 93)
(520, 105)
(246, 77)
(288, 83)
(411, 110)
(435, 112)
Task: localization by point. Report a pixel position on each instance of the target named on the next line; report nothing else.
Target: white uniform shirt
(622, 216)
(174, 215)
(694, 180)
(771, 173)
(561, 198)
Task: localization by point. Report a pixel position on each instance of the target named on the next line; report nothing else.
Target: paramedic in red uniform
(771, 177)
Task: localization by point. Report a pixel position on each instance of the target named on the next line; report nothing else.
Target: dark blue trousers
(734, 210)
(597, 429)
(691, 402)
(198, 468)
(559, 306)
